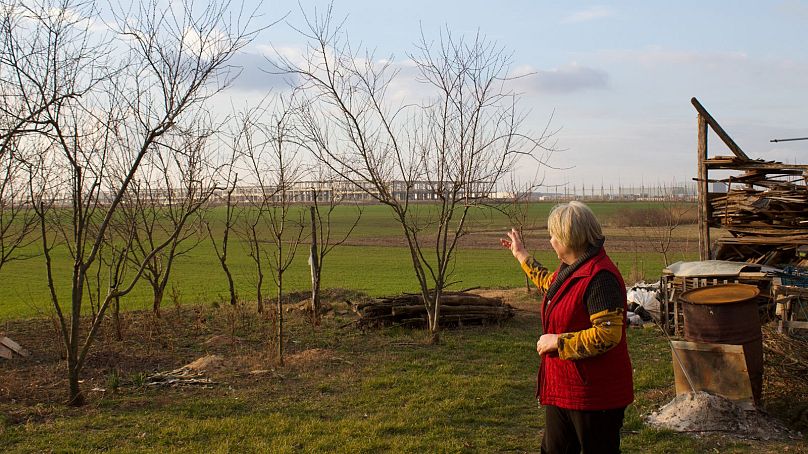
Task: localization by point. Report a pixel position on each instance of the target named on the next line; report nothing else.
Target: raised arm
(538, 274)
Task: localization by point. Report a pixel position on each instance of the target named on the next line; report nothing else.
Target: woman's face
(564, 253)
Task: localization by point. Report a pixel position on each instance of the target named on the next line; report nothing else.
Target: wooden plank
(719, 131)
(765, 167)
(795, 325)
(13, 346)
(5, 352)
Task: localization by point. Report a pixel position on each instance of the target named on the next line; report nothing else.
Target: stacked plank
(766, 212)
(457, 308)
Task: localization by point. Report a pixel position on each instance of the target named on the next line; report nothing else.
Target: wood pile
(457, 308)
(765, 210)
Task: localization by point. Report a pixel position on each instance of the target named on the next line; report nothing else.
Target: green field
(374, 262)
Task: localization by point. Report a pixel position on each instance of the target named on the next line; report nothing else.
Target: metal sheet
(715, 368)
(714, 268)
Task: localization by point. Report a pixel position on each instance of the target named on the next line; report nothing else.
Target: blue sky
(618, 76)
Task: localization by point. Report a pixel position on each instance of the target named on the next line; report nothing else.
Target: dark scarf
(566, 270)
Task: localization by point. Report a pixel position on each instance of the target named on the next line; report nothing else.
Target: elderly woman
(585, 376)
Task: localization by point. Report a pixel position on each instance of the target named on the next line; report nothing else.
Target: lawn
(342, 390)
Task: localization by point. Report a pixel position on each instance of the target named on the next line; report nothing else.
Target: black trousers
(578, 431)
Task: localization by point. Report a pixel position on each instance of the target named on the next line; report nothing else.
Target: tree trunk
(280, 319)
(76, 398)
(231, 285)
(260, 293)
(315, 269)
(116, 319)
(434, 319)
(158, 299)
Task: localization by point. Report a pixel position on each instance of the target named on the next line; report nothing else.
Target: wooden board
(5, 352)
(13, 346)
(714, 368)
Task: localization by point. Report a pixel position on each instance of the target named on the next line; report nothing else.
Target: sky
(616, 77)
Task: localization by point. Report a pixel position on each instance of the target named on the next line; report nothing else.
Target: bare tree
(250, 145)
(229, 222)
(457, 143)
(175, 185)
(327, 194)
(664, 220)
(276, 168)
(28, 64)
(119, 95)
(285, 222)
(18, 222)
(519, 213)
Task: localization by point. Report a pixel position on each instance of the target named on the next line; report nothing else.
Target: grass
(381, 390)
(378, 391)
(375, 262)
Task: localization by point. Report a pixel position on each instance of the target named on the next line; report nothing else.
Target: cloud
(257, 73)
(792, 9)
(565, 79)
(593, 13)
(655, 56)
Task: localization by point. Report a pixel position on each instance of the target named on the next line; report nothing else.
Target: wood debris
(457, 308)
(765, 211)
(188, 375)
(765, 207)
(9, 348)
(180, 378)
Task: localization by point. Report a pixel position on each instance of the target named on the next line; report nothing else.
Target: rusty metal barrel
(728, 314)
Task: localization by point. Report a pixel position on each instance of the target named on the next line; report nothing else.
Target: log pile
(457, 308)
(765, 210)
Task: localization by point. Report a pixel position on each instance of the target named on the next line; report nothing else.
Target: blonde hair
(575, 226)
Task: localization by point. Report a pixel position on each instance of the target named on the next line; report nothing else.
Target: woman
(585, 376)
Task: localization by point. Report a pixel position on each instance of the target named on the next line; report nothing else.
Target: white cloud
(654, 56)
(213, 43)
(793, 8)
(564, 79)
(258, 72)
(593, 13)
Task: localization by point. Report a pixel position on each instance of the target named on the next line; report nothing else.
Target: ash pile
(701, 412)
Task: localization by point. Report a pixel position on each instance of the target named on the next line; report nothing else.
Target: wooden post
(719, 131)
(704, 228)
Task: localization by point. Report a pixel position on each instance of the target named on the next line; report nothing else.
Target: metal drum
(727, 314)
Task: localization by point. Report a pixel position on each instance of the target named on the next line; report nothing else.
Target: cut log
(456, 307)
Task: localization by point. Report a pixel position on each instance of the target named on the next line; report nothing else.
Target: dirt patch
(206, 363)
(311, 356)
(519, 298)
(220, 340)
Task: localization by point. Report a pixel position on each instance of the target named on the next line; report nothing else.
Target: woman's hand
(547, 343)
(515, 244)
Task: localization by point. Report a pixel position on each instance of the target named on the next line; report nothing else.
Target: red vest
(599, 382)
